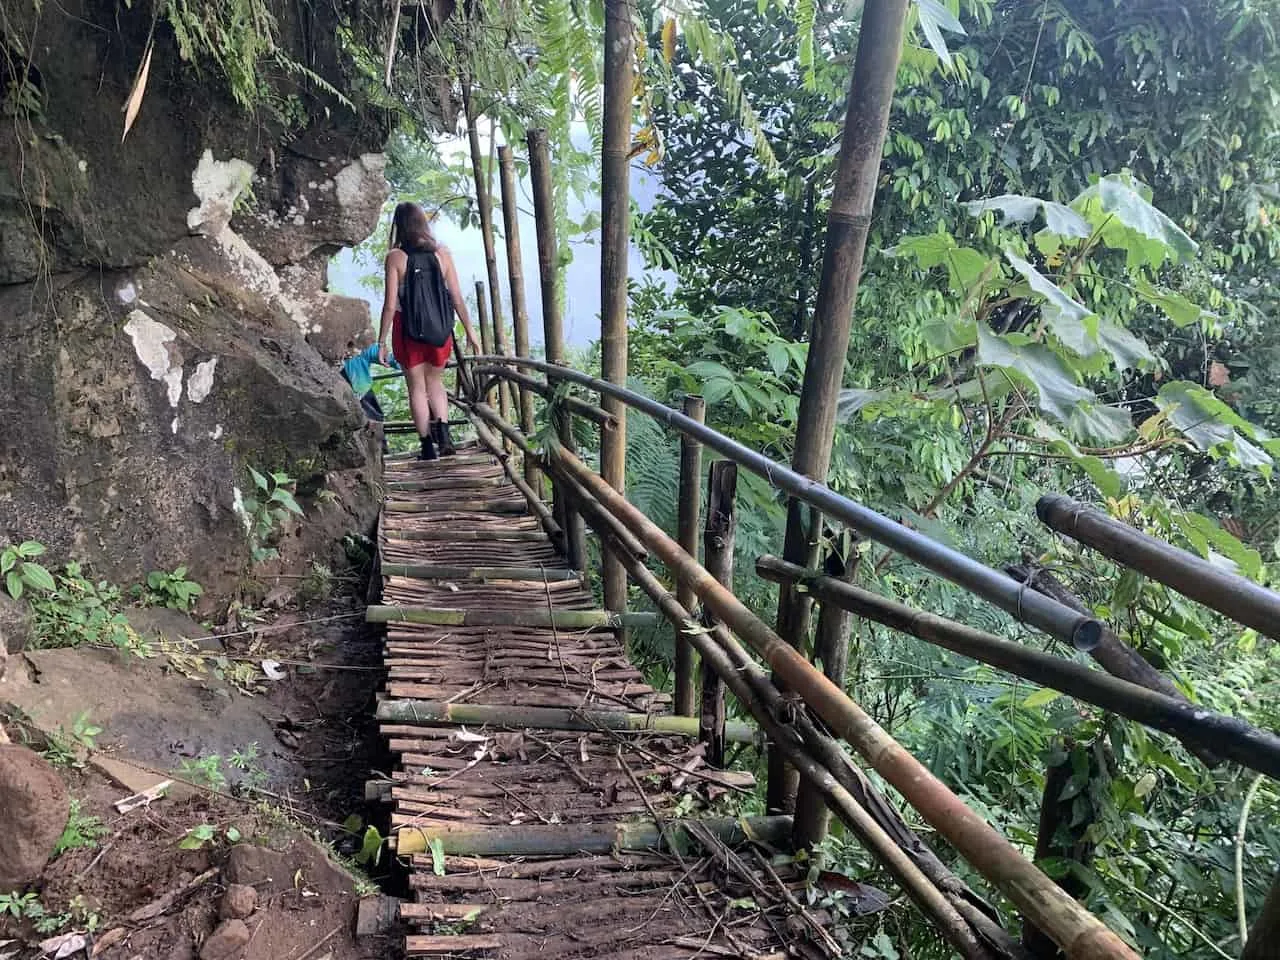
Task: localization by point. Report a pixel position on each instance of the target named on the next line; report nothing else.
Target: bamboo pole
(1112, 654)
(690, 506)
(536, 618)
(485, 205)
(1257, 749)
(831, 649)
(1042, 612)
(515, 282)
(615, 214)
(486, 332)
(1228, 593)
(540, 509)
(544, 213)
(752, 689)
(568, 839)
(439, 571)
(435, 713)
(719, 536)
(573, 404)
(1081, 935)
(451, 535)
(853, 197)
(599, 519)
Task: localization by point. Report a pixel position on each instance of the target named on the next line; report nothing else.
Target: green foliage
(207, 835)
(267, 510)
(242, 39)
(82, 830)
(204, 771)
(79, 611)
(21, 905)
(172, 590)
(20, 570)
(65, 748)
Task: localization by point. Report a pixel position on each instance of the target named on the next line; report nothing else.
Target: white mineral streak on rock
(127, 294)
(151, 340)
(354, 181)
(201, 382)
(216, 184)
(237, 507)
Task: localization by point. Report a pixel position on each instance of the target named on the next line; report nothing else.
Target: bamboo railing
(797, 721)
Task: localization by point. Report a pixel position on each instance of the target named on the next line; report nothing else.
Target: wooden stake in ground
(831, 649)
(486, 334)
(717, 546)
(690, 507)
(485, 204)
(544, 214)
(615, 213)
(515, 280)
(857, 172)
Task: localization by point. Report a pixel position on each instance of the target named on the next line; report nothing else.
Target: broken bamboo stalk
(559, 619)
(690, 509)
(1081, 935)
(435, 713)
(567, 839)
(1228, 736)
(1228, 593)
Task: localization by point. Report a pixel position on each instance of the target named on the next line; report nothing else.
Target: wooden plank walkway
(509, 784)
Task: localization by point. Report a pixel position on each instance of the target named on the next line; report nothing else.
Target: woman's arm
(455, 293)
(395, 269)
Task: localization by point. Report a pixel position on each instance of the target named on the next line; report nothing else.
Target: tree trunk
(857, 172)
(615, 212)
(485, 205)
(515, 282)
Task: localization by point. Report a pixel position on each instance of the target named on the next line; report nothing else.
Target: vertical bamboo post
(857, 172)
(544, 215)
(515, 282)
(717, 545)
(1264, 936)
(690, 507)
(485, 204)
(486, 335)
(615, 212)
(831, 648)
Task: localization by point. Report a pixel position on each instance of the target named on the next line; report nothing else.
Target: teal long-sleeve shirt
(357, 369)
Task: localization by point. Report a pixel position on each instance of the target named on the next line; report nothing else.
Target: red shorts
(413, 353)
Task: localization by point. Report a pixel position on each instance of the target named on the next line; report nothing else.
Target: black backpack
(426, 307)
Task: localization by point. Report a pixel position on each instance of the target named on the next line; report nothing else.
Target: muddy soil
(266, 770)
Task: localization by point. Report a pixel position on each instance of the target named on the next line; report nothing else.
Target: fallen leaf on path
(109, 940)
(64, 946)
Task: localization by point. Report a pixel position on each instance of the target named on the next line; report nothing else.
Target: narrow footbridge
(551, 803)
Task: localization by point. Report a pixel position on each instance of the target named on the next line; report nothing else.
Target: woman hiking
(422, 296)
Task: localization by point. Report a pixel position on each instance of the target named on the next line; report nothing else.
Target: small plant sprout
(21, 572)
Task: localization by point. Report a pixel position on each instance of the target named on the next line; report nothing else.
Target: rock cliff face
(163, 319)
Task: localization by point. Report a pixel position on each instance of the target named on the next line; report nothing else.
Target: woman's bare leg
(415, 379)
(436, 394)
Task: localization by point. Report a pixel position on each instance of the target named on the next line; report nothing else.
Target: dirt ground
(266, 770)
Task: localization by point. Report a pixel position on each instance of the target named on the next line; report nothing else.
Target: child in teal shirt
(355, 370)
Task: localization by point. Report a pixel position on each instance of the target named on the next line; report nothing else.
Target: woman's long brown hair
(410, 229)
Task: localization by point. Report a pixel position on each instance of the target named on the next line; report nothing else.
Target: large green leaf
(1181, 311)
(1057, 391)
(1108, 482)
(1071, 322)
(934, 18)
(965, 265)
(1208, 538)
(1214, 427)
(1127, 221)
(1129, 351)
(1016, 208)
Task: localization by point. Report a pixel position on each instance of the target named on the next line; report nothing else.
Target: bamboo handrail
(593, 413)
(1228, 593)
(1081, 935)
(1230, 737)
(1054, 618)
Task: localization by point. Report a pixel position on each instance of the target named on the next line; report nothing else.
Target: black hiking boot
(428, 449)
(440, 431)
